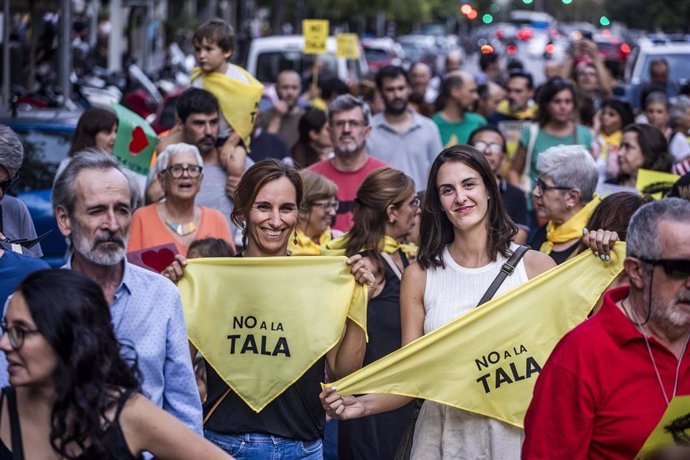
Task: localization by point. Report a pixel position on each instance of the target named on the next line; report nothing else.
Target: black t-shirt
(558, 256)
(295, 414)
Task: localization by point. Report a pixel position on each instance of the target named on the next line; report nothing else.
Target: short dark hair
(522, 74)
(390, 71)
(211, 247)
(622, 108)
(216, 31)
(653, 145)
(91, 377)
(485, 60)
(196, 100)
(333, 87)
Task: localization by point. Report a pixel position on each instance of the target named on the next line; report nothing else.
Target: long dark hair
(91, 376)
(380, 189)
(91, 122)
(253, 180)
(302, 152)
(436, 231)
(653, 145)
(547, 92)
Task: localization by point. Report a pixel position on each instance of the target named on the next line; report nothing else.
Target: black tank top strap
(15, 429)
(403, 256)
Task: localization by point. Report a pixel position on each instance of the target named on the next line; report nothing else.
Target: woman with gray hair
(565, 193)
(176, 219)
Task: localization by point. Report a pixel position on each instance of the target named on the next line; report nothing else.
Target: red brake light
(550, 48)
(625, 48)
(487, 49)
(512, 49)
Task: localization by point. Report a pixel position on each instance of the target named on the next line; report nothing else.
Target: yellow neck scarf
(570, 229)
(336, 247)
(528, 114)
(613, 139)
(306, 246)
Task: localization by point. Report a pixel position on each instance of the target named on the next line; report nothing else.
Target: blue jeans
(258, 446)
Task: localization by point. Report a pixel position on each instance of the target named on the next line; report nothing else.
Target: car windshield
(679, 65)
(268, 65)
(43, 152)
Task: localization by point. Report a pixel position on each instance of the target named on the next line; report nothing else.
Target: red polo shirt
(598, 396)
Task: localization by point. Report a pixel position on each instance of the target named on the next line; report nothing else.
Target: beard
(106, 249)
(396, 106)
(349, 149)
(671, 313)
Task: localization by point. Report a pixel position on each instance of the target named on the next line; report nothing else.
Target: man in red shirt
(348, 120)
(608, 382)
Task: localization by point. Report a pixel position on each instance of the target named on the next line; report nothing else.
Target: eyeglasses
(327, 206)
(674, 268)
(541, 185)
(177, 170)
(340, 124)
(414, 204)
(492, 147)
(16, 334)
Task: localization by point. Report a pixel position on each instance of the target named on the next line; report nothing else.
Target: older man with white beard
(348, 123)
(608, 382)
(93, 202)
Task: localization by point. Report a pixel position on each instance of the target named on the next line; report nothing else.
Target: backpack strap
(506, 270)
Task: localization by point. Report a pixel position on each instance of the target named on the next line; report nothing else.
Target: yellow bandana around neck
(528, 114)
(262, 322)
(570, 229)
(612, 139)
(239, 101)
(306, 246)
(390, 245)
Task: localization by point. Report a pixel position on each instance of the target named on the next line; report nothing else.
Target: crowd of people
(429, 191)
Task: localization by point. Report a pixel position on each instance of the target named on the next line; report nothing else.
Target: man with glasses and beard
(609, 381)
(399, 136)
(93, 202)
(348, 124)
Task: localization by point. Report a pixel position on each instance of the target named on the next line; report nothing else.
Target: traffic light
(487, 19)
(527, 2)
(567, 2)
(466, 9)
(604, 21)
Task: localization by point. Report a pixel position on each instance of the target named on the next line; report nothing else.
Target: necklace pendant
(181, 229)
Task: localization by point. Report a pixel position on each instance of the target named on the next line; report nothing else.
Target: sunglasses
(674, 268)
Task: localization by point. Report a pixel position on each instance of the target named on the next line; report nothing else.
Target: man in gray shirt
(198, 114)
(401, 137)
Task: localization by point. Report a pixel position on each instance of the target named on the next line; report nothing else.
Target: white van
(269, 55)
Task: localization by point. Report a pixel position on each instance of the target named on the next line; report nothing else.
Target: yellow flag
(655, 183)
(487, 361)
(315, 35)
(239, 101)
(347, 46)
(671, 430)
(261, 322)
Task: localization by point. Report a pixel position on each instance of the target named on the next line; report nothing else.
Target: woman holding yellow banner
(291, 425)
(384, 215)
(465, 240)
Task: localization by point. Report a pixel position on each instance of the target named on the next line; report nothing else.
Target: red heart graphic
(158, 260)
(139, 141)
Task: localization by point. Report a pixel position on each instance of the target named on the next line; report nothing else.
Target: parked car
(677, 54)
(380, 52)
(46, 135)
(268, 56)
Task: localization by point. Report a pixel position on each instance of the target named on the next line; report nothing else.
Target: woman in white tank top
(465, 237)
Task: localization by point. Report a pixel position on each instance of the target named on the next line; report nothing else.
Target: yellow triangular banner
(239, 101)
(261, 322)
(487, 361)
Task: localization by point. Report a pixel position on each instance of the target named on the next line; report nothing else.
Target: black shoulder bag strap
(17, 449)
(506, 270)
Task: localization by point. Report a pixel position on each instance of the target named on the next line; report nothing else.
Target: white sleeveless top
(453, 291)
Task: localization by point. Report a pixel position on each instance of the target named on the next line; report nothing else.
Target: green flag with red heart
(135, 141)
